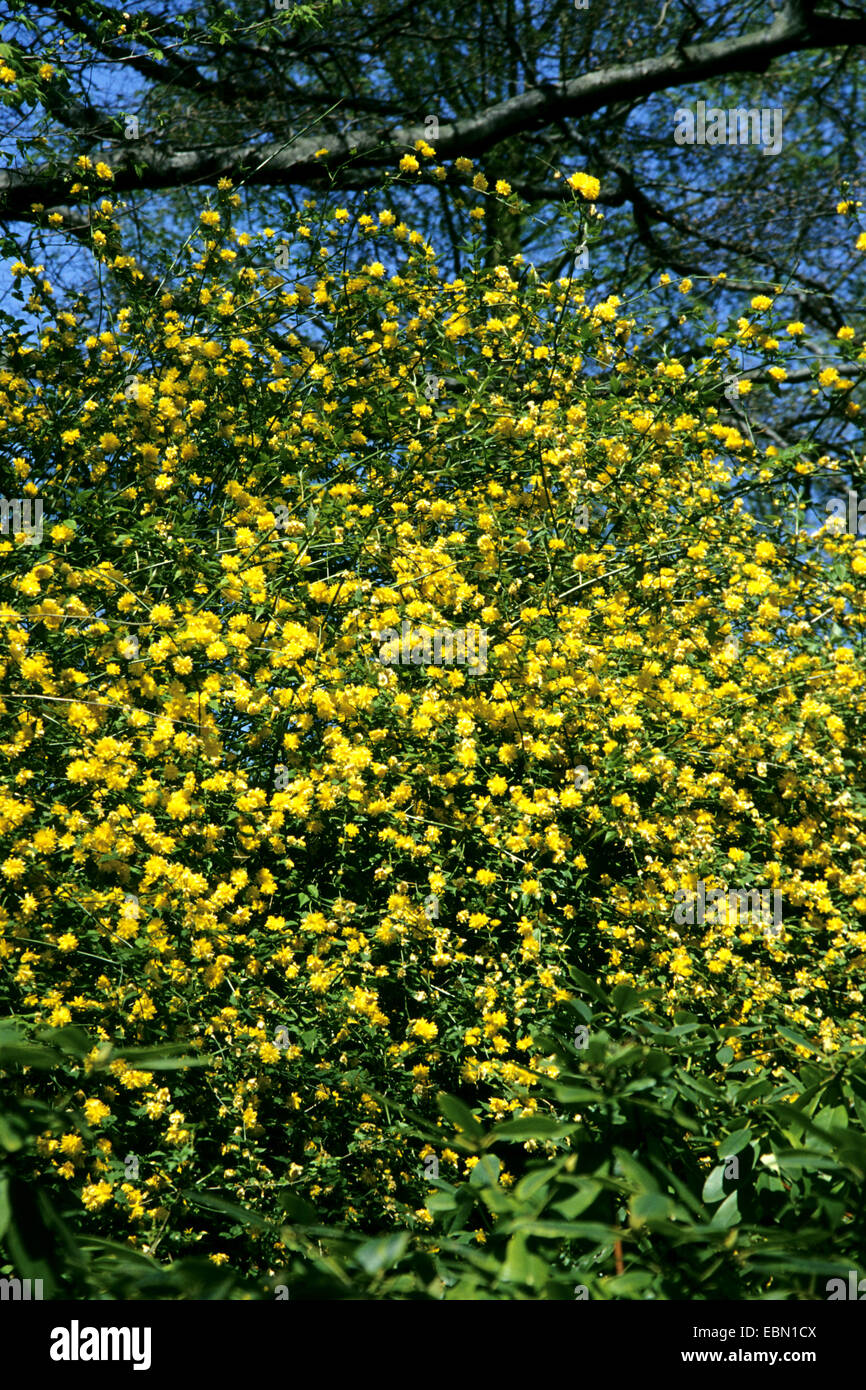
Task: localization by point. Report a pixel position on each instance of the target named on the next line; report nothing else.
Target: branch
(278, 165)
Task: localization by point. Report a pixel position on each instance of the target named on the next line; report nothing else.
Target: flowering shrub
(224, 819)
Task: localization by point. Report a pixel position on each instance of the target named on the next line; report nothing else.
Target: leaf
(699, 1084)
(517, 1268)
(627, 1285)
(625, 999)
(461, 1116)
(790, 1160)
(296, 1208)
(568, 1230)
(28, 1055)
(797, 1038)
(379, 1254)
(532, 1184)
(734, 1143)
(442, 1202)
(714, 1187)
(5, 1206)
(122, 1254)
(641, 1177)
(575, 1094)
(31, 1235)
(532, 1127)
(71, 1039)
(14, 1130)
(580, 1201)
(219, 1204)
(727, 1215)
(650, 1207)
(164, 1057)
(485, 1172)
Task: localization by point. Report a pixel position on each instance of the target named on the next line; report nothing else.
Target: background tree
(319, 98)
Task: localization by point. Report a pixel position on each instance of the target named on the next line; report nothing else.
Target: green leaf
(14, 1130)
(517, 1267)
(625, 999)
(442, 1202)
(790, 1160)
(650, 1207)
(627, 1285)
(164, 1057)
(790, 1036)
(532, 1127)
(296, 1208)
(727, 1215)
(219, 1204)
(71, 1039)
(383, 1252)
(533, 1183)
(5, 1206)
(575, 1094)
(29, 1055)
(571, 1207)
(460, 1116)
(714, 1187)
(734, 1143)
(641, 1177)
(569, 1230)
(486, 1171)
(699, 1084)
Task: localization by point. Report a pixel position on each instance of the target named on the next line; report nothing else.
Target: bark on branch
(142, 166)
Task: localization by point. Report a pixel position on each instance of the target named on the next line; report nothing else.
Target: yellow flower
(409, 164)
(421, 1028)
(95, 1111)
(95, 1195)
(585, 184)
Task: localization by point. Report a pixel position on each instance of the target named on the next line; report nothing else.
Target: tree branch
(274, 164)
